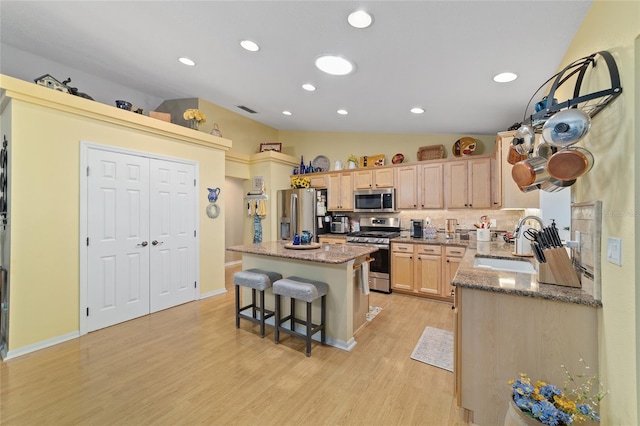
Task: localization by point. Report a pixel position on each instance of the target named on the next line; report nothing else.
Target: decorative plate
(303, 246)
(321, 162)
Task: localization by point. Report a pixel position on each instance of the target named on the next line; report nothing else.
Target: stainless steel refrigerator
(302, 209)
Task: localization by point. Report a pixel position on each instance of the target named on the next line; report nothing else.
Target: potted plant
(352, 162)
(543, 403)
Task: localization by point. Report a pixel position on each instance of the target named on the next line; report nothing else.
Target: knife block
(558, 270)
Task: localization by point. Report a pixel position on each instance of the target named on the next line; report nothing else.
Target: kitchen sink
(508, 265)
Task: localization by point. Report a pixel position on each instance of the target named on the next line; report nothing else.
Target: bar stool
(255, 279)
(298, 288)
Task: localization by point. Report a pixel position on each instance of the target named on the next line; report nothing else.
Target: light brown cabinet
(428, 269)
(452, 259)
(373, 178)
(494, 342)
(402, 267)
(407, 187)
(340, 191)
(468, 184)
(420, 186)
(506, 193)
(332, 240)
(424, 269)
(317, 181)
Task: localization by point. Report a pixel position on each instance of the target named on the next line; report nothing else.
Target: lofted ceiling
(440, 55)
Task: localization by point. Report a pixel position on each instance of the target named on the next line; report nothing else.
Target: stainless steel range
(377, 232)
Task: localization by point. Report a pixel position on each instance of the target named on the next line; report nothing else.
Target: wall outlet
(614, 251)
(494, 223)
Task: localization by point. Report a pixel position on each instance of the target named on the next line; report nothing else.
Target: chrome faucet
(523, 220)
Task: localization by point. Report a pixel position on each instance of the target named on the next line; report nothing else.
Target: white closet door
(118, 231)
(172, 231)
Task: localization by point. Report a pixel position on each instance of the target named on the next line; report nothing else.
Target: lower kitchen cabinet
(424, 269)
(332, 240)
(494, 342)
(453, 256)
(402, 267)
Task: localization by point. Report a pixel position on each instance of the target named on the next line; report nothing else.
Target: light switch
(614, 250)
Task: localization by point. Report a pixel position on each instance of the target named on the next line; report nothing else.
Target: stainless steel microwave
(374, 200)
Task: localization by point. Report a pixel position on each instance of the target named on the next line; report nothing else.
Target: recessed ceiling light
(286, 112)
(334, 65)
(342, 112)
(187, 61)
(309, 87)
(360, 19)
(249, 45)
(505, 77)
(417, 110)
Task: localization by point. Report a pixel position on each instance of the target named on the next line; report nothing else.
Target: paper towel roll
(523, 245)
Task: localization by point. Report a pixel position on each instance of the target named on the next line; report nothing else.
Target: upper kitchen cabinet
(407, 187)
(431, 193)
(317, 181)
(468, 183)
(340, 191)
(373, 178)
(420, 186)
(507, 194)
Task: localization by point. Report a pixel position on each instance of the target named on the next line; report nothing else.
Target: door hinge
(194, 182)
(87, 311)
(195, 284)
(194, 233)
(87, 170)
(87, 241)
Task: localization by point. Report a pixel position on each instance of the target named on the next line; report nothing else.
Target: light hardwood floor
(190, 365)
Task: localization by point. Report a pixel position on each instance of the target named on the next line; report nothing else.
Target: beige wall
(339, 145)
(615, 26)
(45, 205)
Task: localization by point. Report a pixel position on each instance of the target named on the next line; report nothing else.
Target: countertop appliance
(302, 209)
(340, 225)
(416, 228)
(374, 200)
(377, 232)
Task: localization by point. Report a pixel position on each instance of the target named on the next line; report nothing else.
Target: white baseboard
(213, 293)
(41, 345)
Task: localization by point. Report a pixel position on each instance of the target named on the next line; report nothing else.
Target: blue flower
(547, 413)
(584, 409)
(548, 391)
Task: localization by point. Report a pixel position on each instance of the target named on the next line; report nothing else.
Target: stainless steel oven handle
(382, 246)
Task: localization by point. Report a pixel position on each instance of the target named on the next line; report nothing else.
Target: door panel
(172, 226)
(118, 211)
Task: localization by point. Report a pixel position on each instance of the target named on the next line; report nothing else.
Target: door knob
(142, 244)
(156, 242)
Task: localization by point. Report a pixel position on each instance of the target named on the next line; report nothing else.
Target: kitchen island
(507, 323)
(338, 265)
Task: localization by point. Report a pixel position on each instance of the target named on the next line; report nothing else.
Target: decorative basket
(433, 152)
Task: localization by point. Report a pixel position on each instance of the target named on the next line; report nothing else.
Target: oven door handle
(382, 246)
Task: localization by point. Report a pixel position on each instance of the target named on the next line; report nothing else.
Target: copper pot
(570, 163)
(529, 172)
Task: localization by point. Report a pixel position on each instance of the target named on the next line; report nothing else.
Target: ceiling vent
(249, 110)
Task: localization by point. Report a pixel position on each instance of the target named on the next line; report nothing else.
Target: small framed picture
(271, 146)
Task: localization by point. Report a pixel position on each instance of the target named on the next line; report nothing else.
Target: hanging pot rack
(590, 104)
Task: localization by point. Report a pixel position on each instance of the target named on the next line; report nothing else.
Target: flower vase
(515, 417)
(193, 124)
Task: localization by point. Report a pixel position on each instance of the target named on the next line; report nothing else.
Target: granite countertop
(510, 282)
(325, 253)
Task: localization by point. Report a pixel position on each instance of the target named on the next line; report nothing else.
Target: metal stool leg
(323, 316)
(308, 339)
(237, 306)
(276, 336)
(262, 314)
(293, 314)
